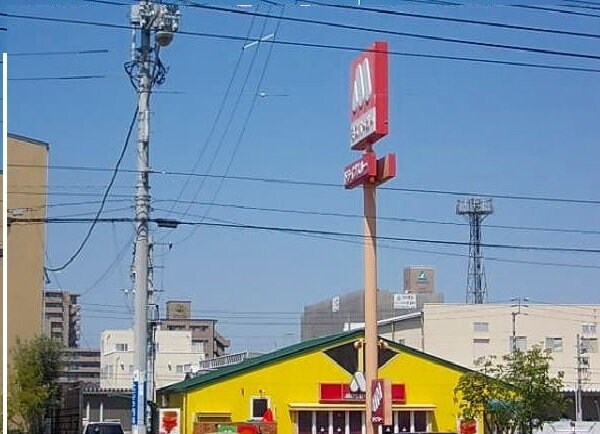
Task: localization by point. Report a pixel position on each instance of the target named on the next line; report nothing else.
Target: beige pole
(371, 337)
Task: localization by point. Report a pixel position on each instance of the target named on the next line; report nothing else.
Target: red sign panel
(381, 402)
(337, 392)
(369, 96)
(361, 171)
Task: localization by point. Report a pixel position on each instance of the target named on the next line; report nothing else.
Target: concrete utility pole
(163, 20)
(580, 369)
(514, 319)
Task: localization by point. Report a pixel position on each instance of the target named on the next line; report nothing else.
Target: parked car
(103, 428)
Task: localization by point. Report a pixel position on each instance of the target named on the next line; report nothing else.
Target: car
(103, 428)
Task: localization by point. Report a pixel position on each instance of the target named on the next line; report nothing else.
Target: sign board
(405, 301)
(335, 304)
(467, 426)
(169, 421)
(381, 402)
(369, 96)
(361, 171)
(340, 393)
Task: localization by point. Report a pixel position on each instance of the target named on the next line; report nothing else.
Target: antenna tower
(475, 210)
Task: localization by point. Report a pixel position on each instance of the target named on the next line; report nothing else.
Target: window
(197, 347)
(305, 422)
(481, 327)
(589, 328)
(589, 345)
(121, 347)
(259, 406)
(179, 369)
(518, 343)
(555, 345)
(481, 348)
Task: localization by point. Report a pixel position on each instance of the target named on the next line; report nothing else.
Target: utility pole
(582, 367)
(163, 21)
(514, 320)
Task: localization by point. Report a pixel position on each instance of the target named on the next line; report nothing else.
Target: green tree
(33, 390)
(513, 394)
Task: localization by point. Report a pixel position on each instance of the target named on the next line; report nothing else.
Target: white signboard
(335, 304)
(405, 301)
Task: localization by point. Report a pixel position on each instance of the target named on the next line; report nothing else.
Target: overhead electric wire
(560, 11)
(406, 34)
(384, 218)
(58, 78)
(104, 198)
(218, 115)
(322, 46)
(60, 53)
(288, 229)
(433, 252)
(284, 181)
(245, 123)
(493, 24)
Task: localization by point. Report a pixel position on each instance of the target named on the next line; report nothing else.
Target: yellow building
(27, 161)
(308, 389)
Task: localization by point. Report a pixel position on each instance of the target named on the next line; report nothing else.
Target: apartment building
(179, 318)
(62, 317)
(80, 365)
(176, 353)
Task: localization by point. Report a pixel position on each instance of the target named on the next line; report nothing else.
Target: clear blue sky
(454, 126)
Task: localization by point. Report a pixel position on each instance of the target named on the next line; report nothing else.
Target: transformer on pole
(475, 209)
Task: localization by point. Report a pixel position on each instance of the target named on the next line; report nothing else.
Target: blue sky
(454, 126)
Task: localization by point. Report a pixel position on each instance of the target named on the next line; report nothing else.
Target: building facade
(176, 354)
(27, 161)
(62, 317)
(347, 311)
(306, 389)
(464, 333)
(179, 318)
(80, 365)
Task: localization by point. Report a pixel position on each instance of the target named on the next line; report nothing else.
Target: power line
(60, 78)
(433, 252)
(246, 120)
(230, 120)
(322, 46)
(60, 53)
(104, 197)
(161, 221)
(325, 214)
(318, 184)
(493, 24)
(382, 218)
(406, 34)
(560, 11)
(217, 117)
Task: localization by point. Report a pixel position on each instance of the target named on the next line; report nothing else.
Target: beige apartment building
(27, 161)
(463, 333)
(176, 355)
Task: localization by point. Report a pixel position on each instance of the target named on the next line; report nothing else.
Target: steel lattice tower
(475, 210)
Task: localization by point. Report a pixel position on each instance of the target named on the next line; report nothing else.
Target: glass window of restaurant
(352, 422)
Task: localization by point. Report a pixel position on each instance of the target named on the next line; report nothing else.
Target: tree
(515, 393)
(33, 388)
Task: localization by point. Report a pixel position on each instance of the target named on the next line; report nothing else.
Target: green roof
(288, 352)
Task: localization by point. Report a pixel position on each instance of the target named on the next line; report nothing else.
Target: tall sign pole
(163, 21)
(369, 123)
